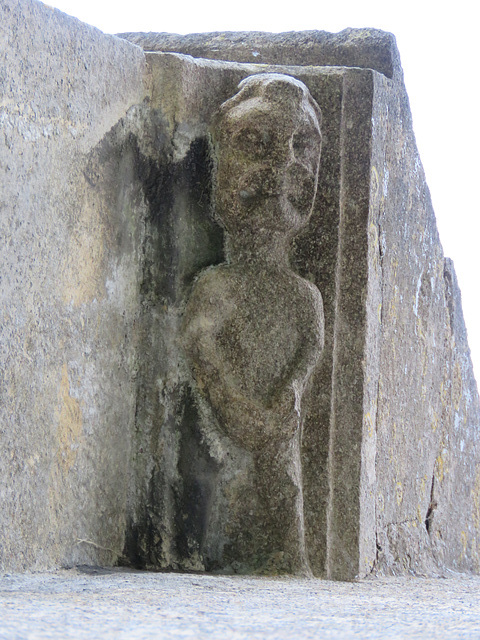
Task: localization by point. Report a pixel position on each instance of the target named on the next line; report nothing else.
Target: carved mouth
(258, 184)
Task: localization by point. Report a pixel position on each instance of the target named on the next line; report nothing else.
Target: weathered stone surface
(453, 515)
(267, 145)
(366, 505)
(72, 228)
(109, 452)
(364, 48)
(141, 605)
(185, 487)
(427, 401)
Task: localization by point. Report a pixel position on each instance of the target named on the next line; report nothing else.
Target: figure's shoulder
(213, 286)
(210, 279)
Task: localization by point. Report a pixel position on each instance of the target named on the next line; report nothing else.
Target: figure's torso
(263, 324)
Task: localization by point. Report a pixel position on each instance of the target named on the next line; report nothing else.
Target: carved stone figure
(253, 328)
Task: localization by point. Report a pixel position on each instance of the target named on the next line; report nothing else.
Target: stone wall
(72, 229)
(186, 468)
(108, 454)
(427, 414)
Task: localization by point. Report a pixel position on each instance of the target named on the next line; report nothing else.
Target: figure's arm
(311, 323)
(207, 311)
(247, 421)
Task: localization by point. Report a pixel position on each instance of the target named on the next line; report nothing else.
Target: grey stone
(91, 602)
(268, 142)
(427, 401)
(109, 452)
(193, 470)
(365, 48)
(72, 225)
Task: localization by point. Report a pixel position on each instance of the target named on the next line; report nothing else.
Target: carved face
(268, 145)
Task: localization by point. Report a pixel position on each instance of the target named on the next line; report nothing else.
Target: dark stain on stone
(197, 472)
(133, 555)
(431, 508)
(143, 547)
(181, 236)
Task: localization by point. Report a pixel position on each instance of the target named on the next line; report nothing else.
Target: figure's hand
(251, 415)
(250, 423)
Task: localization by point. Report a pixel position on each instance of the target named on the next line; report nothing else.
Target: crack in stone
(431, 507)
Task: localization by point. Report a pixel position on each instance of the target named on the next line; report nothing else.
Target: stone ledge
(102, 603)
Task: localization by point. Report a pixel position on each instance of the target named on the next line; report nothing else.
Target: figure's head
(268, 141)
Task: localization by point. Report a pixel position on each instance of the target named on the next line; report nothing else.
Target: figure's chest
(261, 340)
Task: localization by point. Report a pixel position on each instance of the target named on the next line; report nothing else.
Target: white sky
(439, 52)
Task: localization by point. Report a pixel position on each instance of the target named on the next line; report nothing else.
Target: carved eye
(252, 140)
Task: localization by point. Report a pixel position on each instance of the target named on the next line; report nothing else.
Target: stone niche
(109, 453)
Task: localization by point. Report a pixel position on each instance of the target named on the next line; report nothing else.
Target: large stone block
(427, 409)
(72, 228)
(110, 449)
(380, 422)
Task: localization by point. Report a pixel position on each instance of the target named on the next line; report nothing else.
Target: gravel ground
(123, 604)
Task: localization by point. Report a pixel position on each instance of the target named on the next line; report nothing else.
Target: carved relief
(253, 329)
